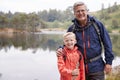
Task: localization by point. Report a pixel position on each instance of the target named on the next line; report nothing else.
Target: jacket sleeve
(62, 68)
(107, 44)
(82, 69)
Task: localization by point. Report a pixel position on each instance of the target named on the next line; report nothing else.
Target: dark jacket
(89, 44)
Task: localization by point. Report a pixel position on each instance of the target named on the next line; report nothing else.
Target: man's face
(80, 13)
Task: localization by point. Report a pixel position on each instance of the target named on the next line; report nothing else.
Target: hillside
(57, 19)
(110, 17)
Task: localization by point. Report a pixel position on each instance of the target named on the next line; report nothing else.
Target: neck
(83, 23)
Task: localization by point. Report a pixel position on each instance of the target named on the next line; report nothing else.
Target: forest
(57, 19)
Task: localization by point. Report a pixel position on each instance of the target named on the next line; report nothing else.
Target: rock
(116, 70)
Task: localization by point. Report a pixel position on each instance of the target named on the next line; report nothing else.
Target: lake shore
(12, 30)
(46, 31)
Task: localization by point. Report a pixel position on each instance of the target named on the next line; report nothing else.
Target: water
(24, 65)
(33, 57)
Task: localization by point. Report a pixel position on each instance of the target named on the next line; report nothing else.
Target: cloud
(39, 5)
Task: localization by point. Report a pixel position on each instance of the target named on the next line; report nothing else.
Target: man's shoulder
(94, 19)
(70, 28)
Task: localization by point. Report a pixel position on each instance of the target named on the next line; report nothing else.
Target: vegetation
(115, 74)
(116, 41)
(110, 17)
(57, 19)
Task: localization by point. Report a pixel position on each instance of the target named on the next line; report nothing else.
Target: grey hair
(79, 4)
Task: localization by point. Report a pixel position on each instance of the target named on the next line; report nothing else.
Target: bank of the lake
(12, 30)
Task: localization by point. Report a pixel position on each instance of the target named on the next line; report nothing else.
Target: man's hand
(59, 52)
(108, 68)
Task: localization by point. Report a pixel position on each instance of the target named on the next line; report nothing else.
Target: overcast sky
(40, 5)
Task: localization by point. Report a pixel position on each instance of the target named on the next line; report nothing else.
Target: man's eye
(80, 11)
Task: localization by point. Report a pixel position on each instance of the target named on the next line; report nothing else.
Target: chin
(81, 19)
(70, 48)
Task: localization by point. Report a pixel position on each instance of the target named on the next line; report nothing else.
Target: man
(89, 43)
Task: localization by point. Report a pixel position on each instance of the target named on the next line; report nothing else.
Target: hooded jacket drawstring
(88, 38)
(85, 57)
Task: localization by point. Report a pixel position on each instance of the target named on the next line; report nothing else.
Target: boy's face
(69, 42)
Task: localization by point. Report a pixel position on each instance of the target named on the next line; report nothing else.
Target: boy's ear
(75, 41)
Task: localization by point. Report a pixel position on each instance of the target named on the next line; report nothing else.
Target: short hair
(69, 33)
(78, 4)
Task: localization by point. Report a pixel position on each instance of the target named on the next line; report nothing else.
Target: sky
(29, 6)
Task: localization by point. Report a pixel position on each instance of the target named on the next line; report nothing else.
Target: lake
(32, 56)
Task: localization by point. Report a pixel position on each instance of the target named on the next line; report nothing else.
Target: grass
(115, 74)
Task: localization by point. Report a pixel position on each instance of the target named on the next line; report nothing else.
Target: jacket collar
(89, 21)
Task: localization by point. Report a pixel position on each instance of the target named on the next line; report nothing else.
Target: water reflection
(32, 56)
(44, 41)
(23, 65)
(32, 41)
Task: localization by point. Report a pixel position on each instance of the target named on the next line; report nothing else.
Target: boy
(71, 65)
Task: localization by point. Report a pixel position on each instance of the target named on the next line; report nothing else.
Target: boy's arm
(62, 68)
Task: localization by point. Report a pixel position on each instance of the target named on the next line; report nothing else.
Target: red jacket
(67, 65)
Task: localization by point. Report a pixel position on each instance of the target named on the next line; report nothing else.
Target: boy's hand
(75, 72)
